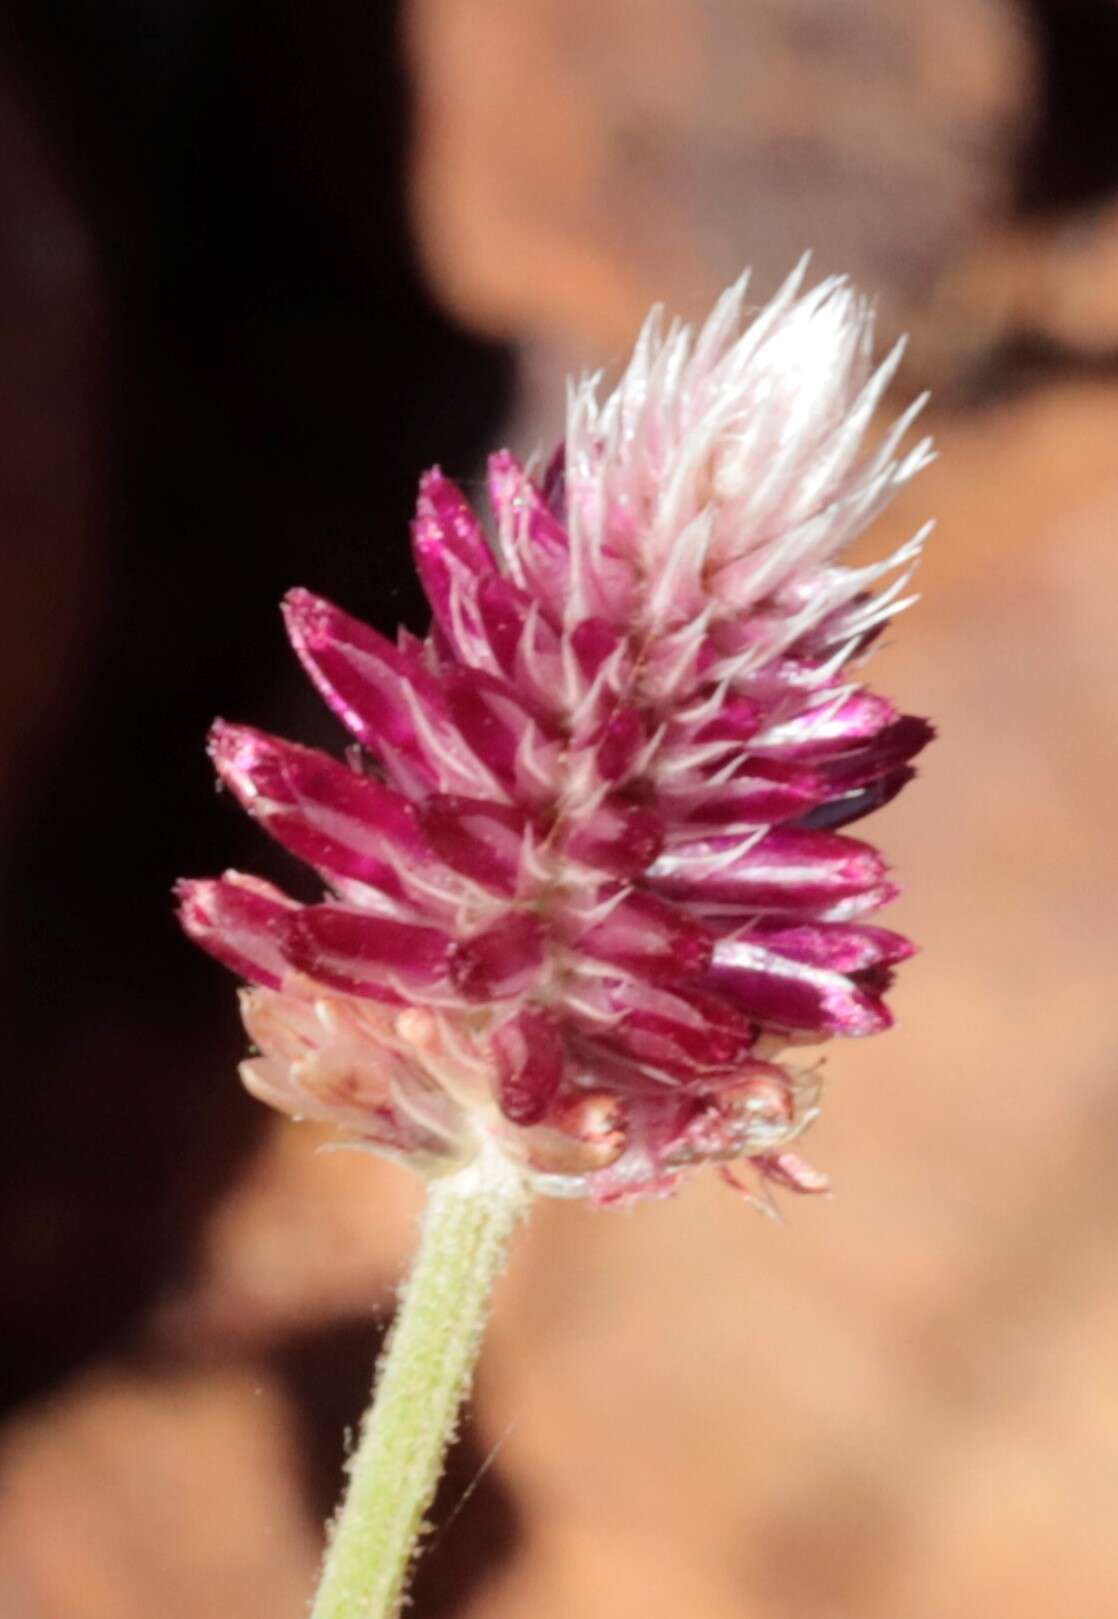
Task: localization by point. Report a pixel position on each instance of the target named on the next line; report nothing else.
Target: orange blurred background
(259, 265)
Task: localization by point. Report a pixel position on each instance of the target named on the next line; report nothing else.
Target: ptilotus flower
(589, 884)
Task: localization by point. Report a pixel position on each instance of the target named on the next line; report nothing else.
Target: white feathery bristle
(727, 463)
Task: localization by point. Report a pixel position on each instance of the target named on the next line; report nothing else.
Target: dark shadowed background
(259, 265)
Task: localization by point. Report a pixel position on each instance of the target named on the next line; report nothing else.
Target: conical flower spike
(593, 887)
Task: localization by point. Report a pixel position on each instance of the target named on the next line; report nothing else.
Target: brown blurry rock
(139, 1494)
(1053, 280)
(577, 162)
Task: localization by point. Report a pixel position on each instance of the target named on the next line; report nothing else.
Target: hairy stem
(423, 1377)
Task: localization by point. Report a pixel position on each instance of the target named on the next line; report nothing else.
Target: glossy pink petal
(367, 681)
(618, 743)
(683, 1034)
(763, 793)
(649, 937)
(491, 716)
(476, 837)
(365, 954)
(787, 870)
(604, 583)
(841, 947)
(888, 749)
(854, 806)
(553, 482)
(866, 778)
(541, 542)
(792, 995)
(737, 719)
(239, 920)
(594, 641)
(826, 728)
(501, 961)
(618, 837)
(503, 612)
(447, 526)
(321, 810)
(530, 1056)
(454, 561)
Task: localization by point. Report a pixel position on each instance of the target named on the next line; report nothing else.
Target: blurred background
(259, 265)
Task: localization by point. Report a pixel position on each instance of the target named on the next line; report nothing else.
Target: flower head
(588, 885)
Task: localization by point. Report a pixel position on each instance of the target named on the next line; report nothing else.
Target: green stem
(424, 1376)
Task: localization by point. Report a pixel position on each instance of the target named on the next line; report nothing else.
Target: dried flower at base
(588, 887)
